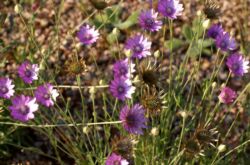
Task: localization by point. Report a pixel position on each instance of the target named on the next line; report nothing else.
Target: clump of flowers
(133, 119)
(215, 30)
(148, 20)
(23, 107)
(237, 64)
(139, 46)
(28, 72)
(225, 42)
(121, 88)
(87, 35)
(6, 88)
(170, 8)
(46, 95)
(123, 68)
(227, 95)
(115, 159)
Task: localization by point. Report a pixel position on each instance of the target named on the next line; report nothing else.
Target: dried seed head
(149, 73)
(123, 146)
(211, 9)
(99, 4)
(192, 148)
(153, 101)
(75, 67)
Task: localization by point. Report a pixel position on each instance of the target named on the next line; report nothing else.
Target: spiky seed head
(74, 67)
(149, 74)
(211, 9)
(123, 146)
(99, 4)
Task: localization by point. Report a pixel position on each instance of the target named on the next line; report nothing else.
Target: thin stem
(59, 125)
(72, 86)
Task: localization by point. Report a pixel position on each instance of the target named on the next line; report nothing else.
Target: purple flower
(170, 8)
(87, 35)
(46, 95)
(133, 119)
(214, 31)
(225, 42)
(227, 95)
(6, 88)
(121, 68)
(115, 159)
(148, 20)
(139, 46)
(121, 88)
(23, 107)
(28, 72)
(237, 64)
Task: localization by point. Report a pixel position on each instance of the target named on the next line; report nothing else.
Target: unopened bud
(85, 130)
(206, 23)
(127, 53)
(222, 148)
(18, 8)
(214, 84)
(154, 131)
(157, 54)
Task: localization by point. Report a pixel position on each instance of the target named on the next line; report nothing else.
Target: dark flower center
(123, 70)
(4, 90)
(116, 162)
(149, 22)
(28, 73)
(24, 109)
(223, 44)
(46, 96)
(236, 66)
(121, 89)
(214, 34)
(169, 10)
(131, 120)
(87, 37)
(138, 48)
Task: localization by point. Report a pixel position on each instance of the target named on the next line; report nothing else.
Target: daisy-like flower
(46, 95)
(133, 119)
(148, 20)
(87, 35)
(115, 159)
(214, 31)
(170, 8)
(6, 88)
(237, 64)
(225, 42)
(227, 95)
(121, 68)
(139, 46)
(121, 88)
(28, 72)
(23, 107)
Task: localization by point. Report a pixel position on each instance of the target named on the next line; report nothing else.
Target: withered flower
(153, 101)
(99, 4)
(211, 9)
(123, 146)
(75, 67)
(148, 73)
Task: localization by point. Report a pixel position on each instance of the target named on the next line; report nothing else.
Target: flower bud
(154, 131)
(222, 148)
(18, 8)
